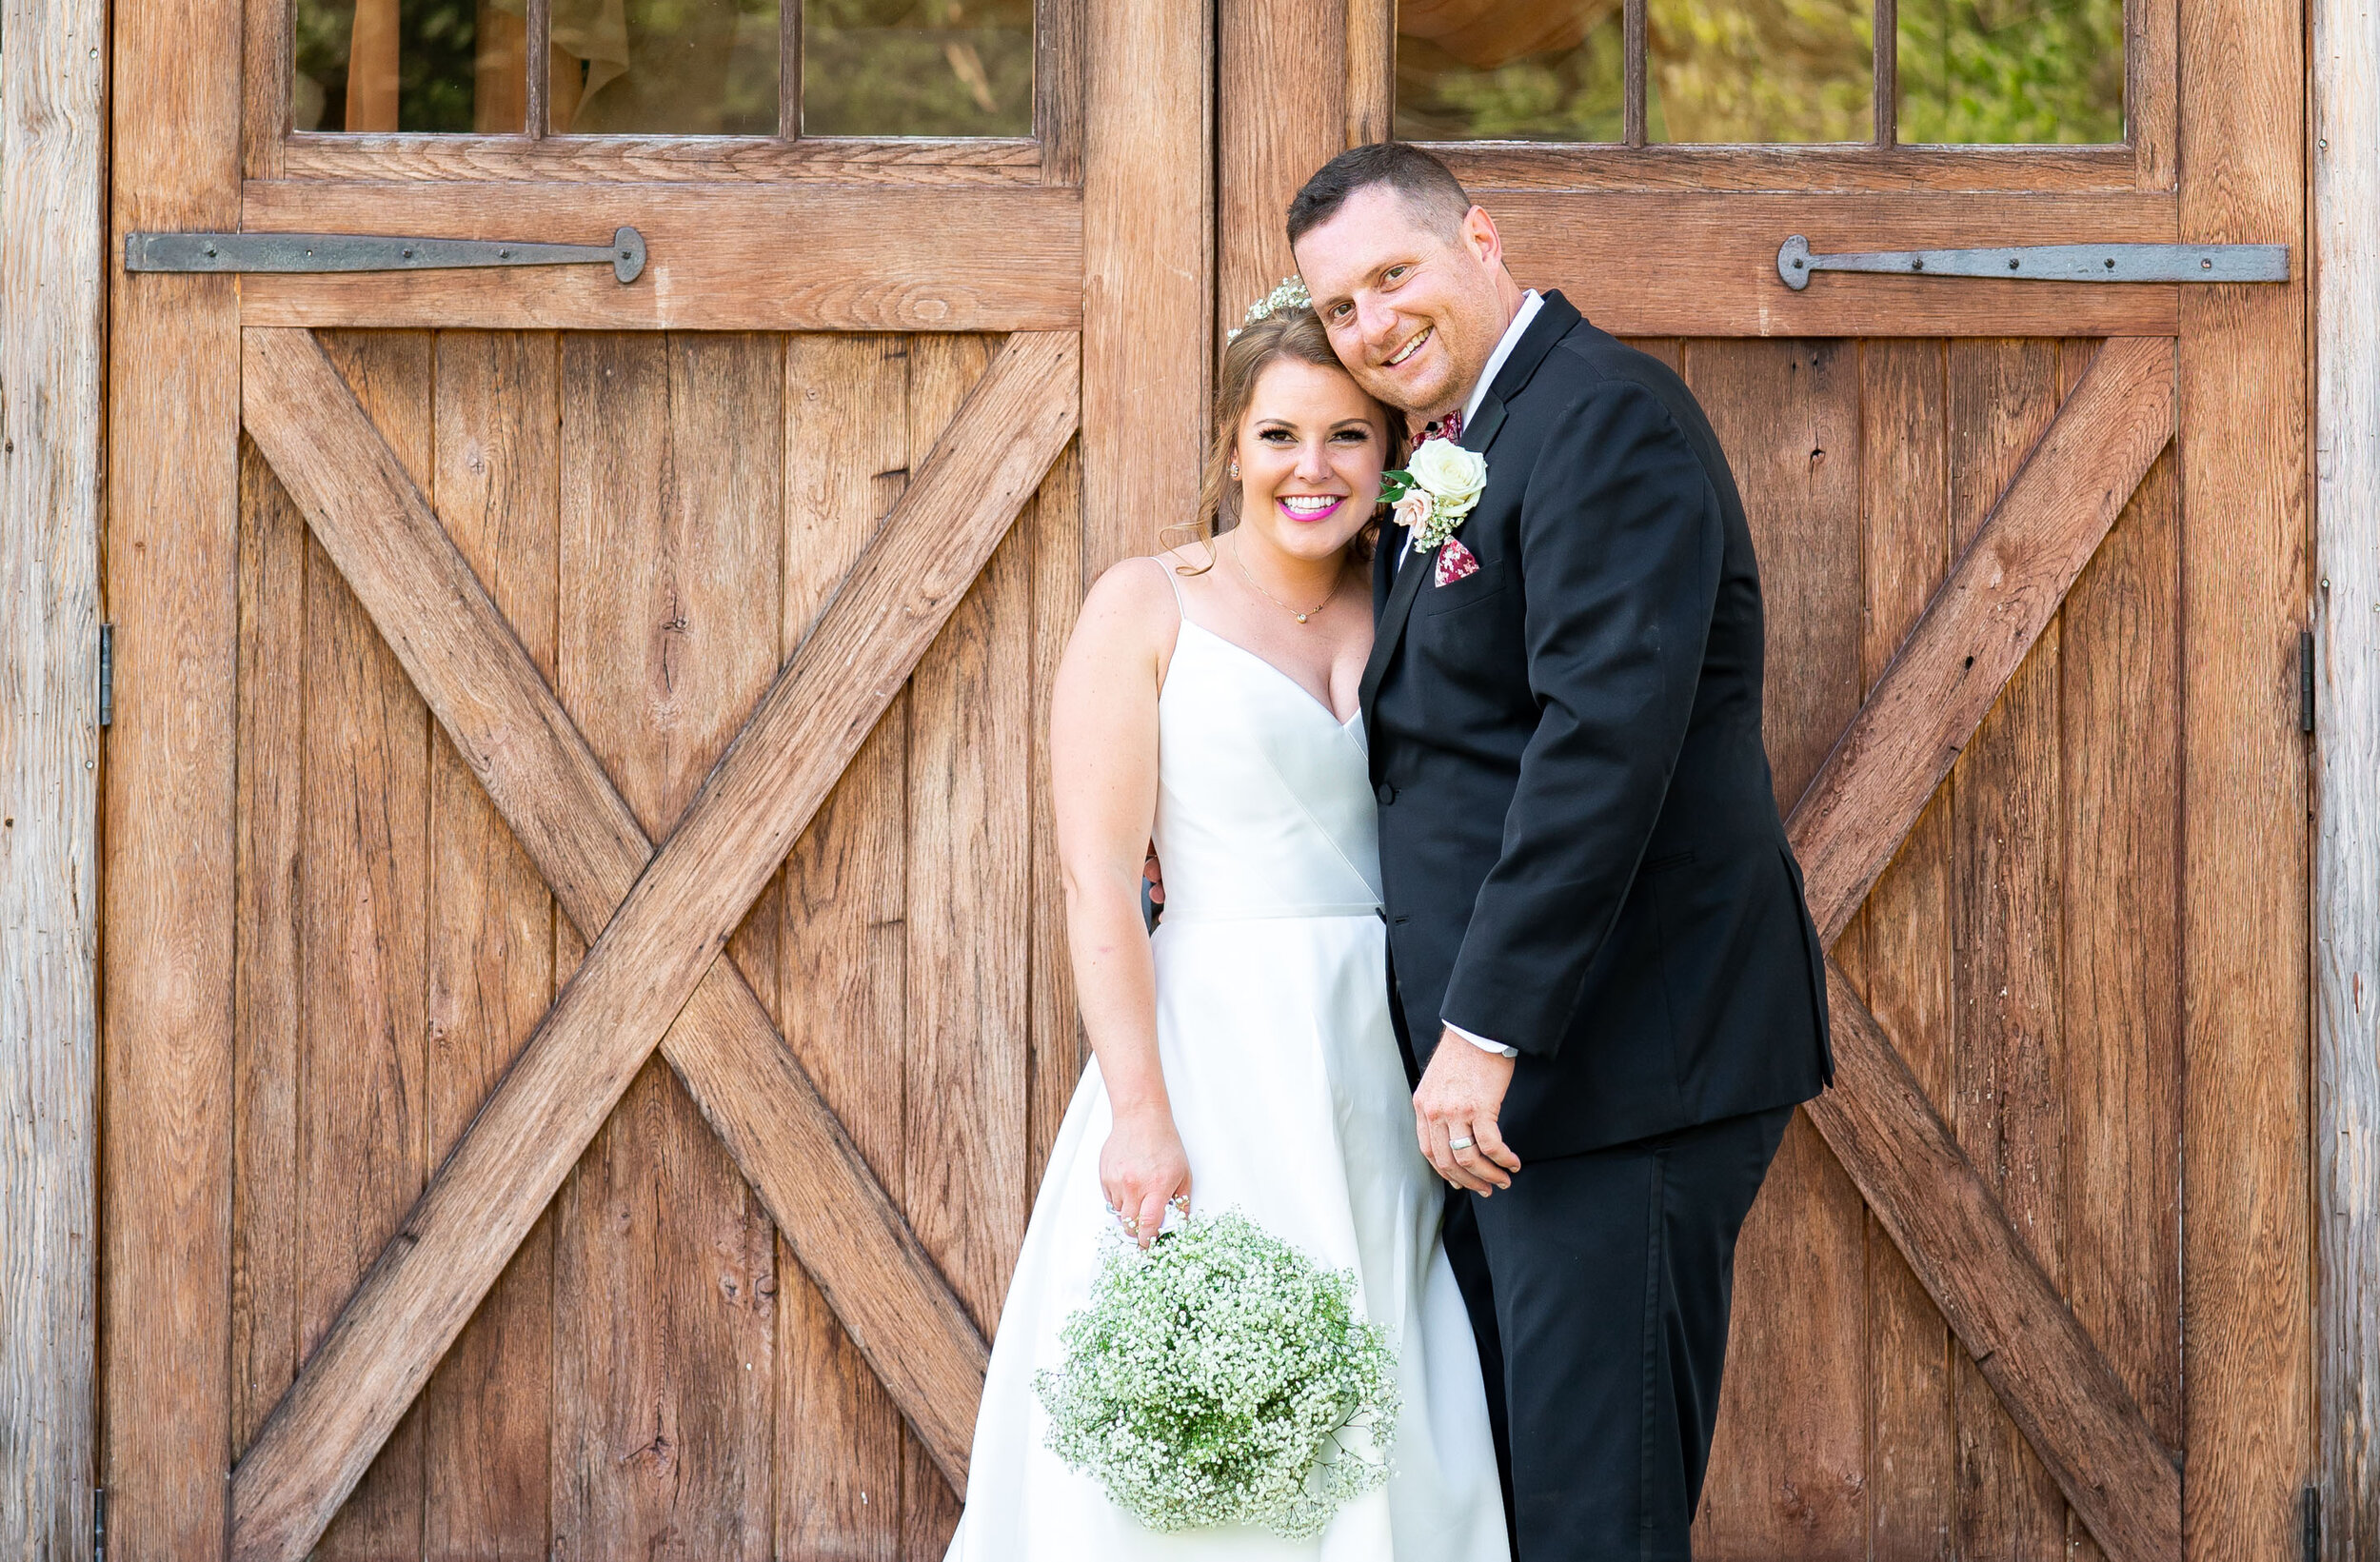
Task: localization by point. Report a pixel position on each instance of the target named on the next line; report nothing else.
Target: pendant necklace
(1245, 575)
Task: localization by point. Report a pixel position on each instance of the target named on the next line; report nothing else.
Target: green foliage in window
(1751, 70)
(1573, 94)
(2003, 71)
(927, 68)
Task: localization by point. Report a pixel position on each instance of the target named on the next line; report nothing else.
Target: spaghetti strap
(1181, 605)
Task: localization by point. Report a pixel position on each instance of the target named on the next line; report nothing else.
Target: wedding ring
(1458, 1144)
(1132, 1224)
(1179, 1201)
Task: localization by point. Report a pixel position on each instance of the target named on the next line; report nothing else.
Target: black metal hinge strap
(304, 253)
(2051, 262)
(2305, 681)
(107, 675)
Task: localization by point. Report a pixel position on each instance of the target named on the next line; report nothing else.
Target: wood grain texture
(488, 1413)
(656, 950)
(2247, 1162)
(268, 1027)
(1146, 278)
(1061, 78)
(1716, 257)
(2346, 771)
(1267, 141)
(2120, 661)
(1787, 1470)
(665, 1288)
(2007, 1061)
(2005, 588)
(417, 158)
(720, 257)
(1814, 169)
(843, 950)
(363, 913)
(1899, 950)
(1058, 1045)
(168, 794)
(53, 281)
(1371, 86)
(2153, 105)
(2059, 1390)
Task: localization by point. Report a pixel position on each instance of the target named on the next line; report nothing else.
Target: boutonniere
(1438, 488)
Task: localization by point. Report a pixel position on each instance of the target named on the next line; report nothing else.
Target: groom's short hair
(1428, 188)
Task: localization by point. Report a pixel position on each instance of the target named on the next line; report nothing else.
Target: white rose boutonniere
(1438, 488)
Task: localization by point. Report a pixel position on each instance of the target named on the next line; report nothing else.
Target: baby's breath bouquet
(1223, 1377)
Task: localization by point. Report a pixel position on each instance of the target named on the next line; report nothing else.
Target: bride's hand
(1142, 1169)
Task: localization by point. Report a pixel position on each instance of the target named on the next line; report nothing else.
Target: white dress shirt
(1530, 304)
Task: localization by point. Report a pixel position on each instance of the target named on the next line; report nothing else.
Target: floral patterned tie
(1448, 427)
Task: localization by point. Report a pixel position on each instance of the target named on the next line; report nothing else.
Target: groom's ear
(1480, 237)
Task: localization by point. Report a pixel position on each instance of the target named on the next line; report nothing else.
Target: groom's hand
(1462, 1093)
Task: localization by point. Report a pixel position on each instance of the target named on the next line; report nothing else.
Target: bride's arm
(1103, 759)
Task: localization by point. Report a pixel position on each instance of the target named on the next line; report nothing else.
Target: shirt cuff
(1482, 1042)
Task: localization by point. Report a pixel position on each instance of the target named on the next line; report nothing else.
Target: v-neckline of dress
(1303, 693)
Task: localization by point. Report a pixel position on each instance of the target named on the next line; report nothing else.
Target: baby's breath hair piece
(1289, 293)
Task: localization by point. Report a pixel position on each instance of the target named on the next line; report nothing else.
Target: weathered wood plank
(663, 159)
(1902, 939)
(1146, 280)
(720, 257)
(2346, 768)
(1268, 141)
(966, 1056)
(167, 913)
(363, 925)
(843, 948)
(1058, 1046)
(1787, 1469)
(488, 1413)
(1714, 255)
(267, 1030)
(664, 1262)
(2004, 1105)
(2003, 590)
(2247, 1249)
(2121, 1006)
(656, 950)
(52, 280)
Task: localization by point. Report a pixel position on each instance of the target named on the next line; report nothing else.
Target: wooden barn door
(2031, 1281)
(584, 1008)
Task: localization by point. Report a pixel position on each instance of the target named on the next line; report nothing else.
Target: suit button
(1386, 793)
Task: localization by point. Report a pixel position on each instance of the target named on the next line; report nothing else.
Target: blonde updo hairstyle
(1289, 333)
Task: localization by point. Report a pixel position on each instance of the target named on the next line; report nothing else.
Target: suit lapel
(1401, 583)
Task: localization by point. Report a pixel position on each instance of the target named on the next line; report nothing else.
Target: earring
(1235, 471)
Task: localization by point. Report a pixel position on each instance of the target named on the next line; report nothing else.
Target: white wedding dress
(1272, 1024)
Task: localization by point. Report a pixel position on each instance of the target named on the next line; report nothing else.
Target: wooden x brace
(2000, 595)
(659, 922)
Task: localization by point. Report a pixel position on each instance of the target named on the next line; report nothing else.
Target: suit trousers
(1599, 1287)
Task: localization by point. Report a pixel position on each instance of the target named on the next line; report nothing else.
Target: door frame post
(53, 165)
(2346, 199)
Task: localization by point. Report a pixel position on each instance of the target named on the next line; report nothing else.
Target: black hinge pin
(99, 1523)
(2309, 1505)
(2305, 681)
(107, 675)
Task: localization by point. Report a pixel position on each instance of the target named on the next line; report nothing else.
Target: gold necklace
(1242, 567)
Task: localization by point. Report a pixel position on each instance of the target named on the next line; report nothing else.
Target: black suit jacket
(1578, 833)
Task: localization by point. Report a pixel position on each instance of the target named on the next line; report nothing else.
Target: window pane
(407, 64)
(1510, 71)
(2024, 72)
(1760, 71)
(916, 67)
(664, 67)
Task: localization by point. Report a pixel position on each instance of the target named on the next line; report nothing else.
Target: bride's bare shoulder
(1132, 606)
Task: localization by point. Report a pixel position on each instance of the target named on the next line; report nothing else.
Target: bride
(1244, 1057)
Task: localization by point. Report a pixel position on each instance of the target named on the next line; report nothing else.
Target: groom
(1599, 955)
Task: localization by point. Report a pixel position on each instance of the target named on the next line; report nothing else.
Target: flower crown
(1289, 293)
